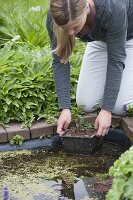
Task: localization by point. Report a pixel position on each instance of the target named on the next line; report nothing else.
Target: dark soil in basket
(83, 132)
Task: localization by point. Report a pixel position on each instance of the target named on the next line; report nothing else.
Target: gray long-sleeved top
(113, 24)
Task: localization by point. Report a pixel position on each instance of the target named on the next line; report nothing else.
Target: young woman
(106, 76)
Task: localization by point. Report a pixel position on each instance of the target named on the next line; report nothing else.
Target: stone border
(40, 128)
(127, 126)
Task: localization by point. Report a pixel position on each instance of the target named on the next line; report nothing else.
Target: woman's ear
(87, 9)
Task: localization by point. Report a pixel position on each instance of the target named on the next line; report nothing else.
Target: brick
(116, 120)
(90, 117)
(40, 128)
(127, 126)
(54, 128)
(15, 128)
(3, 135)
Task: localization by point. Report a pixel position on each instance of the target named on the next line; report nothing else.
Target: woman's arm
(116, 34)
(61, 71)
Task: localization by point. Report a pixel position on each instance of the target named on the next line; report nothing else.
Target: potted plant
(81, 138)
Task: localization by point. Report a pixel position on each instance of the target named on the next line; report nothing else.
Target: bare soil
(83, 132)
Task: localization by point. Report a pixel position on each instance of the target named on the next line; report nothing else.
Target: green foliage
(84, 123)
(130, 111)
(22, 5)
(17, 140)
(76, 113)
(29, 26)
(26, 83)
(122, 171)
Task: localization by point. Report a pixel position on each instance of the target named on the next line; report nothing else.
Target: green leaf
(122, 171)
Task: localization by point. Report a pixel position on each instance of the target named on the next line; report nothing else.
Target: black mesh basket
(81, 144)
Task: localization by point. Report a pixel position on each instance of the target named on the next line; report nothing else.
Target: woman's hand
(63, 121)
(103, 122)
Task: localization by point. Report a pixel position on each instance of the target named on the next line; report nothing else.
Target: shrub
(26, 83)
(122, 171)
(30, 26)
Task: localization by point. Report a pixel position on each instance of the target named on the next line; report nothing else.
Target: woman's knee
(121, 108)
(87, 105)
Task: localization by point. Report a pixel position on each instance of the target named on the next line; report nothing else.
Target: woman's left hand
(103, 122)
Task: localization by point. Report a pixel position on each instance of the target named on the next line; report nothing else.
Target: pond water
(47, 175)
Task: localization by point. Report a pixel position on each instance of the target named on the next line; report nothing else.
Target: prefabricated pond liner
(118, 136)
(115, 136)
(45, 143)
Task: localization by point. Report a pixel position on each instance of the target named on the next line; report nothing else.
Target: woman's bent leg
(125, 96)
(92, 76)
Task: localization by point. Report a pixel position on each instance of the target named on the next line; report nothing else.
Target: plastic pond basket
(81, 144)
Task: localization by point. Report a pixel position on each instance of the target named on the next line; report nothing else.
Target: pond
(48, 174)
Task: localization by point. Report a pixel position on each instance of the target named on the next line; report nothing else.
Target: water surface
(45, 175)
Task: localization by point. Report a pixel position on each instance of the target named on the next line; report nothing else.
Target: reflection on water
(39, 175)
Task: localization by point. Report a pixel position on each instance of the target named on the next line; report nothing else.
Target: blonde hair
(64, 11)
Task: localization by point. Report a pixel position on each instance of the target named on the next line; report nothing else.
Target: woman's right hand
(63, 121)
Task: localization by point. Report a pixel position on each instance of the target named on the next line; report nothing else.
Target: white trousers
(92, 78)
